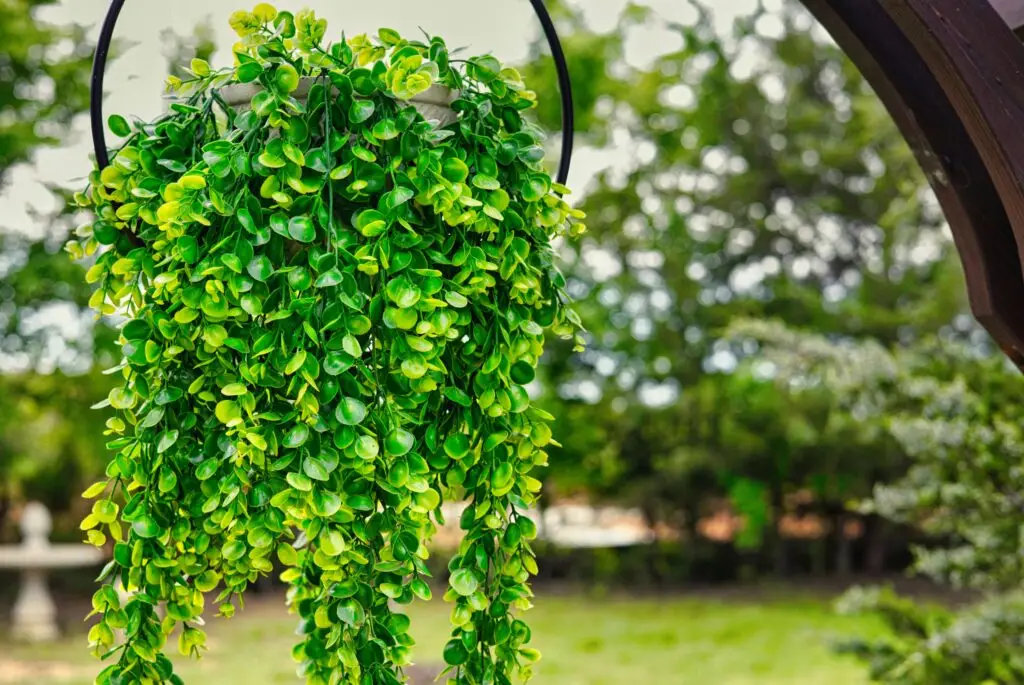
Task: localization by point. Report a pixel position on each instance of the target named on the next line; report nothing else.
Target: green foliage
(332, 308)
(44, 83)
(766, 180)
(46, 341)
(980, 645)
(953, 410)
(956, 413)
(50, 444)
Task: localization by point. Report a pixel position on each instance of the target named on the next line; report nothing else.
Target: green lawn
(669, 640)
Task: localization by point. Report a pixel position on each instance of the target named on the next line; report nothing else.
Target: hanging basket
(334, 305)
(434, 104)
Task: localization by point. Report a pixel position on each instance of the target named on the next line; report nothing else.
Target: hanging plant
(333, 308)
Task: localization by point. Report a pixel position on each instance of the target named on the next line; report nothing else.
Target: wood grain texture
(916, 60)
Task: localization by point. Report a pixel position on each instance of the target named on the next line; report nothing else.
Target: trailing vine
(333, 307)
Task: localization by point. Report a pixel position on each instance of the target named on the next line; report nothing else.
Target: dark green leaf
(455, 653)
(385, 129)
(249, 72)
(351, 411)
(458, 396)
(329, 278)
(146, 527)
(234, 550)
(167, 440)
(315, 469)
(301, 228)
(351, 613)
(487, 68)
(119, 126)
(297, 436)
(522, 373)
(457, 446)
(399, 442)
(260, 268)
(360, 111)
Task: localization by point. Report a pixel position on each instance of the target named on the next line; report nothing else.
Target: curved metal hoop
(99, 67)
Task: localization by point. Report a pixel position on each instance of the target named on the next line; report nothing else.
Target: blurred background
(784, 397)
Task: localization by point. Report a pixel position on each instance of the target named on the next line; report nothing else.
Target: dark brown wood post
(951, 73)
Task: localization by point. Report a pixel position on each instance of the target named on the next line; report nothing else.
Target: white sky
(134, 81)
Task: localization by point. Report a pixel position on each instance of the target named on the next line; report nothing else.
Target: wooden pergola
(951, 73)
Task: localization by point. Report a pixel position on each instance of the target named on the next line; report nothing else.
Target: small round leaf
(351, 411)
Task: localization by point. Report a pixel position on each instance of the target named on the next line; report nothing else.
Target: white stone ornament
(34, 618)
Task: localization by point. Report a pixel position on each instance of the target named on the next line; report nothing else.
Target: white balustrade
(34, 618)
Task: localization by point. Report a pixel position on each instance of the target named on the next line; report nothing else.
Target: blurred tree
(755, 175)
(51, 350)
(957, 414)
(180, 50)
(44, 334)
(44, 85)
(44, 80)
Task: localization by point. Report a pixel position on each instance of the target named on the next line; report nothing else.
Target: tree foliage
(53, 348)
(44, 86)
(46, 338)
(956, 414)
(44, 82)
(755, 175)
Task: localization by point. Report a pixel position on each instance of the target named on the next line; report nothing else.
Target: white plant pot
(434, 103)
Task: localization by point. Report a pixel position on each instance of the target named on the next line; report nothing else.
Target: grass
(689, 640)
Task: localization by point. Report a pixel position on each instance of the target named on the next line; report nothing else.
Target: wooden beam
(979, 67)
(909, 52)
(1012, 12)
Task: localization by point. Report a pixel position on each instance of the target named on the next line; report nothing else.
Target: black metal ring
(99, 66)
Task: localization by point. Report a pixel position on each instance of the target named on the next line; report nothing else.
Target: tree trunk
(819, 547)
(844, 546)
(651, 520)
(5, 510)
(876, 532)
(542, 506)
(778, 544)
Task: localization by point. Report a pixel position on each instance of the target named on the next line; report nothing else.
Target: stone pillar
(35, 615)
